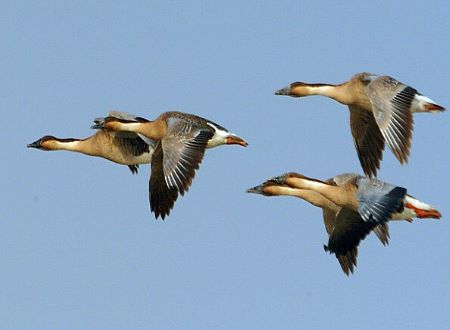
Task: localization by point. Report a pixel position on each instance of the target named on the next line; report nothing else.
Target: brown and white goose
(381, 111)
(347, 225)
(182, 140)
(124, 148)
(344, 227)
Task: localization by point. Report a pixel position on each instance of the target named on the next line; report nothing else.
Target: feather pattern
(346, 229)
(367, 138)
(349, 230)
(378, 200)
(391, 104)
(180, 153)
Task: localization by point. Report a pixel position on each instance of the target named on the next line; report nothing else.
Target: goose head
(47, 142)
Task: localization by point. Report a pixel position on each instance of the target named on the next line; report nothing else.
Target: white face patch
(219, 137)
(420, 102)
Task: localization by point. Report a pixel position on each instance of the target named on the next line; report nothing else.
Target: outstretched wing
(368, 139)
(391, 104)
(349, 230)
(378, 200)
(161, 197)
(182, 151)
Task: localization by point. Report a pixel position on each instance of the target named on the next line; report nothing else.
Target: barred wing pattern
(176, 158)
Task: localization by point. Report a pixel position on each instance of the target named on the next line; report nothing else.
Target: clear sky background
(79, 247)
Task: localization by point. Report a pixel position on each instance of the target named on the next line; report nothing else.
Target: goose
(343, 226)
(346, 226)
(182, 140)
(124, 148)
(381, 109)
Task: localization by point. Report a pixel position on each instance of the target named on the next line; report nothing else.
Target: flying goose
(381, 111)
(124, 148)
(345, 224)
(182, 140)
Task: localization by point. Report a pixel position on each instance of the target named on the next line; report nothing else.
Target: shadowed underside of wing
(382, 232)
(348, 261)
(162, 198)
(368, 139)
(349, 230)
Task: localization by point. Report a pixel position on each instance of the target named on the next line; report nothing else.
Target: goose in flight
(381, 109)
(182, 141)
(124, 148)
(352, 205)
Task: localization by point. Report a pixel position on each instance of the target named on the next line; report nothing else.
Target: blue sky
(80, 248)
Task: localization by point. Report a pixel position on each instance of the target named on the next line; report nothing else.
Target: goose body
(381, 111)
(347, 222)
(123, 148)
(182, 141)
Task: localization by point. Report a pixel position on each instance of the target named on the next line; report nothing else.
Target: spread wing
(183, 148)
(329, 220)
(368, 139)
(349, 230)
(346, 230)
(162, 198)
(391, 104)
(179, 155)
(378, 200)
(347, 260)
(382, 232)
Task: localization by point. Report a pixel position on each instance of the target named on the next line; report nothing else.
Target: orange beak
(236, 140)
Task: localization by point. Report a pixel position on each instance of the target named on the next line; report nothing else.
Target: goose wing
(180, 153)
(368, 139)
(378, 200)
(348, 259)
(349, 230)
(391, 104)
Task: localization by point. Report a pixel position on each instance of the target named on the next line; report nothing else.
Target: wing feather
(368, 139)
(176, 158)
(391, 103)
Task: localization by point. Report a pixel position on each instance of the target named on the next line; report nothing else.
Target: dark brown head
(44, 143)
(268, 188)
(50, 142)
(288, 90)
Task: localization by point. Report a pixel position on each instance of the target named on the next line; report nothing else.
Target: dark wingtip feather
(133, 168)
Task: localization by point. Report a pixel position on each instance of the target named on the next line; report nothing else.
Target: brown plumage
(352, 205)
(182, 141)
(124, 148)
(380, 112)
(345, 228)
